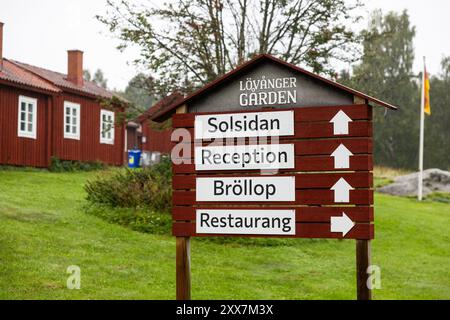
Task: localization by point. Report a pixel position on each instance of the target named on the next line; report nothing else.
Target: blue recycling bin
(134, 158)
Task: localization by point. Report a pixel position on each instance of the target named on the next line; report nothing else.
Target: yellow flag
(426, 96)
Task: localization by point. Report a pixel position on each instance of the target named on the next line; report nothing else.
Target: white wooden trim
(25, 133)
(70, 135)
(105, 140)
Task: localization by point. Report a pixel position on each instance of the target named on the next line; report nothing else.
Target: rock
(433, 180)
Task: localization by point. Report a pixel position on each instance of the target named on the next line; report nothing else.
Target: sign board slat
(302, 180)
(355, 112)
(303, 147)
(325, 130)
(324, 163)
(306, 130)
(327, 147)
(302, 163)
(303, 114)
(303, 197)
(303, 230)
(303, 214)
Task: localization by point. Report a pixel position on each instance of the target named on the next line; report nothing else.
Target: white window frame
(72, 106)
(104, 139)
(26, 133)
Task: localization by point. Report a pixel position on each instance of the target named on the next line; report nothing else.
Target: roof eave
(83, 93)
(163, 107)
(23, 86)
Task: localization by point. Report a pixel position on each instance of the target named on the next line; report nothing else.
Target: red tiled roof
(161, 106)
(17, 75)
(60, 80)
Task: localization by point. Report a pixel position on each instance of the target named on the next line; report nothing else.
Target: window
(27, 116)
(106, 127)
(71, 120)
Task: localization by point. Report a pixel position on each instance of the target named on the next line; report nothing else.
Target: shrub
(134, 188)
(58, 165)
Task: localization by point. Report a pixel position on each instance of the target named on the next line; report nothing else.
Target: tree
(385, 71)
(87, 75)
(189, 43)
(437, 125)
(137, 93)
(98, 78)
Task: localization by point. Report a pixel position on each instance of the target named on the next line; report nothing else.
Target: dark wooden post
(362, 263)
(183, 244)
(183, 268)
(363, 253)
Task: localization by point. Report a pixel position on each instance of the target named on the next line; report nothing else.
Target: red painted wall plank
(302, 114)
(303, 230)
(355, 112)
(15, 150)
(302, 181)
(326, 163)
(88, 148)
(157, 140)
(303, 197)
(302, 147)
(302, 163)
(303, 214)
(310, 130)
(325, 129)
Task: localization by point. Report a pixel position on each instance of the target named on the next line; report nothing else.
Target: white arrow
(342, 191)
(341, 224)
(341, 157)
(340, 122)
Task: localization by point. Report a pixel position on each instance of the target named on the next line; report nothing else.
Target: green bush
(149, 188)
(58, 165)
(139, 199)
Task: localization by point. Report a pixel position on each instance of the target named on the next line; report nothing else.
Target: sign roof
(166, 112)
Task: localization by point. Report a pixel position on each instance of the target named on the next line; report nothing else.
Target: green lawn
(43, 230)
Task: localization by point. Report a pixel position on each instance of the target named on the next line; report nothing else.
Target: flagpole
(422, 116)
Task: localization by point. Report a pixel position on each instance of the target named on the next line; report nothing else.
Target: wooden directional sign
(302, 172)
(273, 151)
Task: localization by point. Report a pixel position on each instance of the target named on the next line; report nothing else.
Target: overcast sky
(39, 32)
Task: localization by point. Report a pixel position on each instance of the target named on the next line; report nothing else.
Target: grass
(43, 230)
(390, 173)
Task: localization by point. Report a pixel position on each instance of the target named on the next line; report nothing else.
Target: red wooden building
(149, 136)
(45, 113)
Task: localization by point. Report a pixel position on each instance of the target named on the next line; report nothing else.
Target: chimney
(1, 45)
(75, 67)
